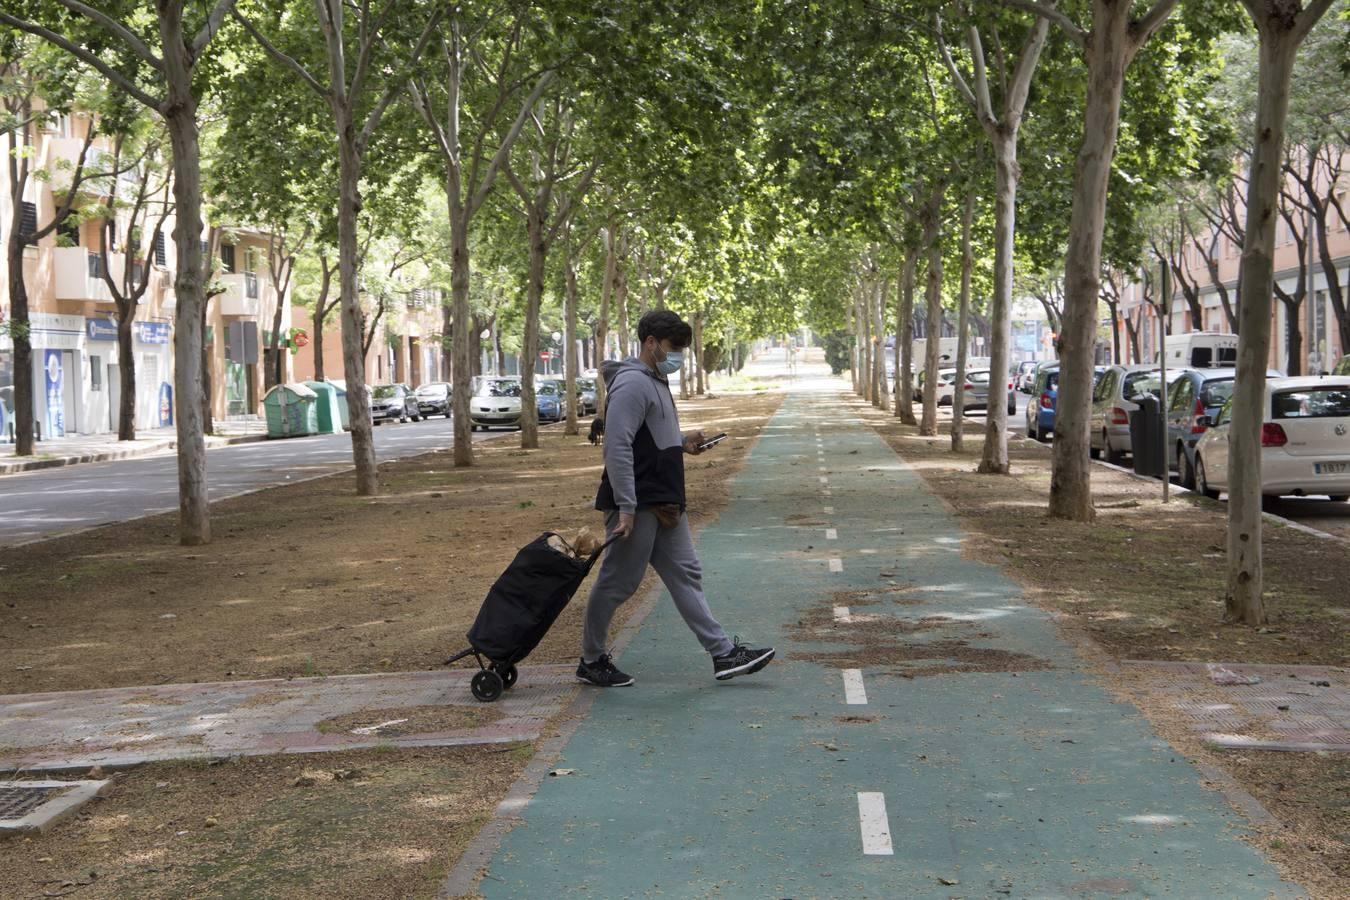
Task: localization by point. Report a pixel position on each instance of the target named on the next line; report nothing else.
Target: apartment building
(77, 377)
(406, 347)
(1316, 321)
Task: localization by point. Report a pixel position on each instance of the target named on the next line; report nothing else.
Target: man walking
(642, 497)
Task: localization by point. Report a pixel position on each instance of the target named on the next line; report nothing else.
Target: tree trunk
(994, 456)
(208, 422)
(963, 339)
(126, 366)
(459, 299)
(317, 339)
(353, 355)
(869, 354)
(447, 338)
(698, 354)
(194, 509)
(602, 323)
(1243, 603)
(932, 237)
(1293, 337)
(529, 354)
(570, 302)
(904, 339)
(24, 406)
(1070, 484)
(883, 390)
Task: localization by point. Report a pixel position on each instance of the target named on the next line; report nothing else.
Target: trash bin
(341, 388)
(290, 411)
(328, 416)
(1146, 437)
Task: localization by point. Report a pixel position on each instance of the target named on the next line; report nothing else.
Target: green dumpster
(291, 411)
(341, 388)
(326, 406)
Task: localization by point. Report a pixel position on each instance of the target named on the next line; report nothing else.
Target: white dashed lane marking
(836, 564)
(876, 829)
(854, 692)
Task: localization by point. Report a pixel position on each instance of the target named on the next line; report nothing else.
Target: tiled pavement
(125, 726)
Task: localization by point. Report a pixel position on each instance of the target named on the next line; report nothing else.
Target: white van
(947, 347)
(1202, 350)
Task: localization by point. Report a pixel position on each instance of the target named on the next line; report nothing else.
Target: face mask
(673, 362)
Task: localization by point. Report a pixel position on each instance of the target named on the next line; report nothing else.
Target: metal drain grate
(17, 802)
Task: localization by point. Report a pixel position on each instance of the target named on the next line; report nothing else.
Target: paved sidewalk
(924, 734)
(127, 726)
(88, 448)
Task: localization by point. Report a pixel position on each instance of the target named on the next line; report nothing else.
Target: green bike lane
(1005, 770)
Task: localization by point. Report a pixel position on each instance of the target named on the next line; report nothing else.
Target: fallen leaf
(558, 773)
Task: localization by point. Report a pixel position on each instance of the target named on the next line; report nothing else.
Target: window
(112, 236)
(1183, 396)
(1216, 393)
(94, 262)
(161, 250)
(1225, 414)
(1320, 403)
(68, 232)
(227, 257)
(28, 222)
(95, 373)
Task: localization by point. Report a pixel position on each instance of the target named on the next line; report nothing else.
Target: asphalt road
(48, 502)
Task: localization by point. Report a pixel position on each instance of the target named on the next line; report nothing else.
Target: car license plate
(1331, 468)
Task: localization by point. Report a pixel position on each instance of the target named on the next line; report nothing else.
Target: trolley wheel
(486, 686)
(509, 674)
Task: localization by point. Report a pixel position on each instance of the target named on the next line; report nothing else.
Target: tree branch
(117, 29)
(481, 191)
(398, 81)
(1076, 34)
(213, 23)
(86, 57)
(962, 88)
(1143, 29)
(282, 58)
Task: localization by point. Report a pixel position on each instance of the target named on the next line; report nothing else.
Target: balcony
(78, 274)
(242, 295)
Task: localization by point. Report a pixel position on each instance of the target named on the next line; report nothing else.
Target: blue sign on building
(153, 332)
(100, 329)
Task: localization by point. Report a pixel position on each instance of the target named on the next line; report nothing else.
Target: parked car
(433, 398)
(548, 399)
(495, 400)
(1026, 373)
(976, 392)
(1305, 440)
(588, 402)
(1117, 394)
(1040, 413)
(945, 377)
(394, 401)
(1196, 393)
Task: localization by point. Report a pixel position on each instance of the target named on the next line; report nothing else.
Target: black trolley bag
(519, 610)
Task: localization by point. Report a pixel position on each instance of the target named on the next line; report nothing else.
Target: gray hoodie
(644, 449)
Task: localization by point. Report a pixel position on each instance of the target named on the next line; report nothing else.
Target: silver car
(1116, 395)
(493, 401)
(975, 392)
(588, 401)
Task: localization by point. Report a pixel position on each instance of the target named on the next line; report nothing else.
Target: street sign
(545, 355)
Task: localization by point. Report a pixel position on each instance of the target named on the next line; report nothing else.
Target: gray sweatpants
(670, 551)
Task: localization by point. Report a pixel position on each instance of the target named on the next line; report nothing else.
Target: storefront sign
(56, 405)
(100, 329)
(50, 331)
(152, 332)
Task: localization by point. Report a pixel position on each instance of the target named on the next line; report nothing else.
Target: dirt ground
(311, 579)
(1146, 580)
(305, 580)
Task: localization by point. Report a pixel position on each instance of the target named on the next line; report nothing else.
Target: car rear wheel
(1187, 470)
(1201, 482)
(1096, 452)
(1113, 456)
(1339, 498)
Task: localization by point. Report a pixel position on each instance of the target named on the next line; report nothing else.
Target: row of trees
(754, 165)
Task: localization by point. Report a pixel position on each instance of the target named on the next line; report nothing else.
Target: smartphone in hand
(713, 441)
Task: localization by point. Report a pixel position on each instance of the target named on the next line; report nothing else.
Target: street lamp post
(557, 340)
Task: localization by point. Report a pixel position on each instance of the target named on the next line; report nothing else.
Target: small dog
(597, 432)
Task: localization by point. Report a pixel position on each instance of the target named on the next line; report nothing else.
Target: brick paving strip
(1237, 706)
(113, 727)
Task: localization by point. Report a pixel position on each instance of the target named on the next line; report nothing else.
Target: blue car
(1197, 393)
(1044, 393)
(548, 398)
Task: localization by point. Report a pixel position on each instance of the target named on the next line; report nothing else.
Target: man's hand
(625, 527)
(692, 442)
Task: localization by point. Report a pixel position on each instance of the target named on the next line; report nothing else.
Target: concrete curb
(13, 468)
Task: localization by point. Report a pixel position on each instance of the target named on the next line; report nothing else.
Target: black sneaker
(602, 673)
(741, 660)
